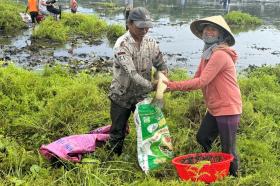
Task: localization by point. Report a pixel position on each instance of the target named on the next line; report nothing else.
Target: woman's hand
(167, 84)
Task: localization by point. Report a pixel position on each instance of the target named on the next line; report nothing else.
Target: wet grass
(238, 18)
(39, 107)
(114, 32)
(10, 20)
(89, 27)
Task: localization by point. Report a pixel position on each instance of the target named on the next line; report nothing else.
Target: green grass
(89, 27)
(39, 107)
(241, 19)
(242, 22)
(52, 30)
(105, 4)
(71, 26)
(10, 20)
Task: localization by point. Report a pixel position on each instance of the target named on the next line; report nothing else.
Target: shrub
(114, 32)
(240, 18)
(10, 20)
(52, 30)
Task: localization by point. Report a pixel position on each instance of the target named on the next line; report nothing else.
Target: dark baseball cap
(140, 17)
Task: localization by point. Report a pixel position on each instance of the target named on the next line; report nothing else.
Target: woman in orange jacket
(216, 77)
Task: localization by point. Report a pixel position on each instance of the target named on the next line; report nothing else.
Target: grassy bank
(39, 107)
(71, 26)
(242, 22)
(10, 20)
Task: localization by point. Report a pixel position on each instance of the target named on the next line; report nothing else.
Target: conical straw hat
(197, 27)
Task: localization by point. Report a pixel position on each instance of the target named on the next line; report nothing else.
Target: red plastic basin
(206, 167)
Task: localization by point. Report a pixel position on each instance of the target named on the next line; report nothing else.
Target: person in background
(32, 8)
(216, 77)
(43, 8)
(128, 7)
(52, 9)
(73, 6)
(135, 53)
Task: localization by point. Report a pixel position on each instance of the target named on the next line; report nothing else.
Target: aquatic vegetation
(242, 22)
(90, 27)
(85, 25)
(39, 107)
(241, 19)
(105, 4)
(93, 27)
(10, 20)
(51, 30)
(114, 32)
(237, 29)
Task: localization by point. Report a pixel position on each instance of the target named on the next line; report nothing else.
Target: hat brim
(198, 26)
(143, 24)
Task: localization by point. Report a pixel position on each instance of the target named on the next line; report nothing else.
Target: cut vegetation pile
(40, 107)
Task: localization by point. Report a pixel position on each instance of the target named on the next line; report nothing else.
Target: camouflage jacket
(132, 69)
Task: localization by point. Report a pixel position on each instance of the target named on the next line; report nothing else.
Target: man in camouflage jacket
(135, 54)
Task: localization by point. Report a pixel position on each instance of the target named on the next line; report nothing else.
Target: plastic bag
(25, 17)
(153, 138)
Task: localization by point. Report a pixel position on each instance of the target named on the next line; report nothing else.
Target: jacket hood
(228, 50)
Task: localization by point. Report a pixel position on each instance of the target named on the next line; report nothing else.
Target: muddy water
(171, 19)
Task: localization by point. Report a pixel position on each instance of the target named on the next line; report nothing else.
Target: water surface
(171, 28)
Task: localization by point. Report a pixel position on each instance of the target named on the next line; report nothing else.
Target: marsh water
(172, 18)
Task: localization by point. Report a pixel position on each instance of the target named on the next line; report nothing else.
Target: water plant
(242, 22)
(51, 30)
(10, 20)
(114, 32)
(105, 4)
(93, 27)
(239, 18)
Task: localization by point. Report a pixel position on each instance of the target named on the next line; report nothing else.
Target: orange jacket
(32, 6)
(218, 80)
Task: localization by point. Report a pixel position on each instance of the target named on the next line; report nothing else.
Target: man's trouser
(119, 117)
(226, 128)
